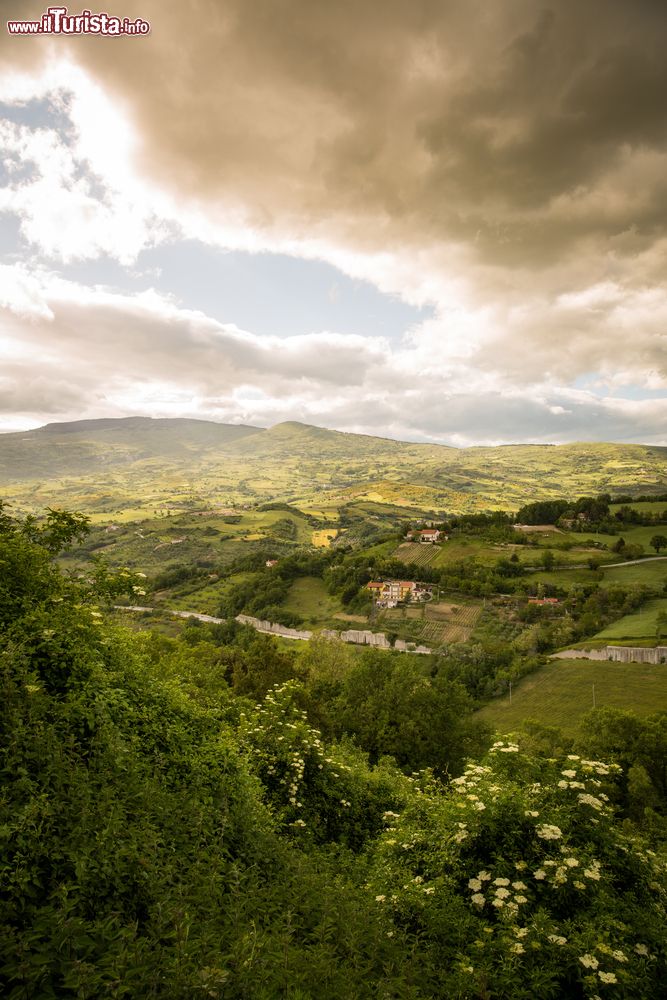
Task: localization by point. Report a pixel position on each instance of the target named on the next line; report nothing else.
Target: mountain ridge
(145, 459)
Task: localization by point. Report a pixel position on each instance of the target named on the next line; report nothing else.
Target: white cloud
(79, 351)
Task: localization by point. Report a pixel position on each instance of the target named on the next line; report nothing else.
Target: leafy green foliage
(162, 836)
(522, 871)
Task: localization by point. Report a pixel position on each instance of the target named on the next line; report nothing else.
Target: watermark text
(57, 21)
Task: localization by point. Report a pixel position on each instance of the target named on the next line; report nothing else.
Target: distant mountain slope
(152, 460)
(82, 446)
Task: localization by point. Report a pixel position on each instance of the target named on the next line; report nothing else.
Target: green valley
(269, 817)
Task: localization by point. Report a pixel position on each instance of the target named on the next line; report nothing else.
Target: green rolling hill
(104, 464)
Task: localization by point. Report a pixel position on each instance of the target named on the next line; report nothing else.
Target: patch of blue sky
(12, 244)
(104, 270)
(12, 171)
(597, 385)
(633, 391)
(42, 112)
(265, 293)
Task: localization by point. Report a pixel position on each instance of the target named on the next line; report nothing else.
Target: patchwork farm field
(434, 624)
(561, 692)
(107, 467)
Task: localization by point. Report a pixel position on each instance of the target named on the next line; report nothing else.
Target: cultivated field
(416, 553)
(435, 624)
(323, 538)
(562, 692)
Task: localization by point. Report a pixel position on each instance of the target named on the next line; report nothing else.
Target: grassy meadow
(643, 624)
(309, 597)
(561, 692)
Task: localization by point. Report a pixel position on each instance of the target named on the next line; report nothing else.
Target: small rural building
(388, 593)
(425, 535)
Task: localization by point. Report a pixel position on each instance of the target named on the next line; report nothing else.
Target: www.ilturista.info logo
(56, 21)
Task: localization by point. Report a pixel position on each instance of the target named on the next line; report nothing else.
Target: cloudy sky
(436, 220)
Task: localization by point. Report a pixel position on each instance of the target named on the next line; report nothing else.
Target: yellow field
(323, 538)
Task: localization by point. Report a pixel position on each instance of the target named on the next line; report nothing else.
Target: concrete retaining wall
(617, 654)
(272, 628)
(360, 637)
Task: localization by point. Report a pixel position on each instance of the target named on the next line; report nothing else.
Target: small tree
(661, 625)
(548, 560)
(658, 542)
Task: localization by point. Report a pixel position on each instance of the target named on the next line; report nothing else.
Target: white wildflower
(589, 800)
(589, 961)
(549, 832)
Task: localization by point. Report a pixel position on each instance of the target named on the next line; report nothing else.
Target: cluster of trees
(263, 594)
(588, 512)
(631, 515)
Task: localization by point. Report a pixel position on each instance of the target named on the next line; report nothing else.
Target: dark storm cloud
(394, 122)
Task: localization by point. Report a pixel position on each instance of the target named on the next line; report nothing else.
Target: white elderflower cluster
(500, 746)
(547, 831)
(504, 894)
(585, 799)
